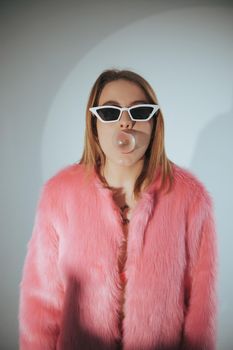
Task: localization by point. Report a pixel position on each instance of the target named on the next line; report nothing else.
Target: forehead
(122, 91)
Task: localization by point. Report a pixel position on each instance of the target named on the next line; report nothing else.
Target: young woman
(123, 253)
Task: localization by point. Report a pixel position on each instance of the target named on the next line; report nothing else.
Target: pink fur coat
(69, 292)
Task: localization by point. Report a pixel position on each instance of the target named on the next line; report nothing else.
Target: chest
(92, 233)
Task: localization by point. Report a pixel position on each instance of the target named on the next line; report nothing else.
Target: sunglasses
(109, 114)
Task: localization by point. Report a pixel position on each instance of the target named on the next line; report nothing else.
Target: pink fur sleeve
(40, 287)
(200, 325)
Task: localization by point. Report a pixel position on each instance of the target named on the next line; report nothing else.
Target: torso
(125, 203)
(126, 212)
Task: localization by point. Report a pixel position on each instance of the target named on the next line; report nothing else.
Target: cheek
(151, 126)
(104, 135)
(146, 127)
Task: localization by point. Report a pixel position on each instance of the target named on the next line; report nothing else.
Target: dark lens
(108, 114)
(141, 112)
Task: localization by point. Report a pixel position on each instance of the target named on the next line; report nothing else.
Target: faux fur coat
(69, 292)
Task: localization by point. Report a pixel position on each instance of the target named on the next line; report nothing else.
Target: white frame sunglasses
(94, 111)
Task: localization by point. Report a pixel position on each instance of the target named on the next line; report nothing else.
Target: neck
(122, 177)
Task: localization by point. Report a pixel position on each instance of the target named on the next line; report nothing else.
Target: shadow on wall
(212, 160)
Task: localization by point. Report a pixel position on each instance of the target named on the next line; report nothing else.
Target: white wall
(52, 51)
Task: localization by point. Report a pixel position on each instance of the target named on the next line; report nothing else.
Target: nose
(126, 122)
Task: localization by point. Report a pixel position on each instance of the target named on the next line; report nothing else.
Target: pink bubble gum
(128, 140)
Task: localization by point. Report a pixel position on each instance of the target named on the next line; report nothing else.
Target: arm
(200, 326)
(40, 287)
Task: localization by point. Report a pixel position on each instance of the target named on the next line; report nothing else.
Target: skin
(121, 170)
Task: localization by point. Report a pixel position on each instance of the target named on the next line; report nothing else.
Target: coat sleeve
(200, 325)
(40, 287)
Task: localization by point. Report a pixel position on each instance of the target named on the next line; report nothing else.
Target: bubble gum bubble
(124, 141)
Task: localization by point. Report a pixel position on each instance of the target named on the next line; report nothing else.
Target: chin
(127, 161)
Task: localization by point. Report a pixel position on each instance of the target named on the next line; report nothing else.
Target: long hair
(155, 155)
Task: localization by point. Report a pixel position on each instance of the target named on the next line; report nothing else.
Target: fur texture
(70, 287)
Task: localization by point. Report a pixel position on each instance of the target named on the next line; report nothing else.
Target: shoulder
(66, 174)
(65, 180)
(187, 183)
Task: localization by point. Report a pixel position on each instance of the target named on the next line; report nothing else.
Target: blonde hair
(155, 155)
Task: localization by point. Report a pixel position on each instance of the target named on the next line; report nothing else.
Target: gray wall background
(50, 54)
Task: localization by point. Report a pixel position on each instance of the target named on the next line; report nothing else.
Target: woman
(123, 253)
